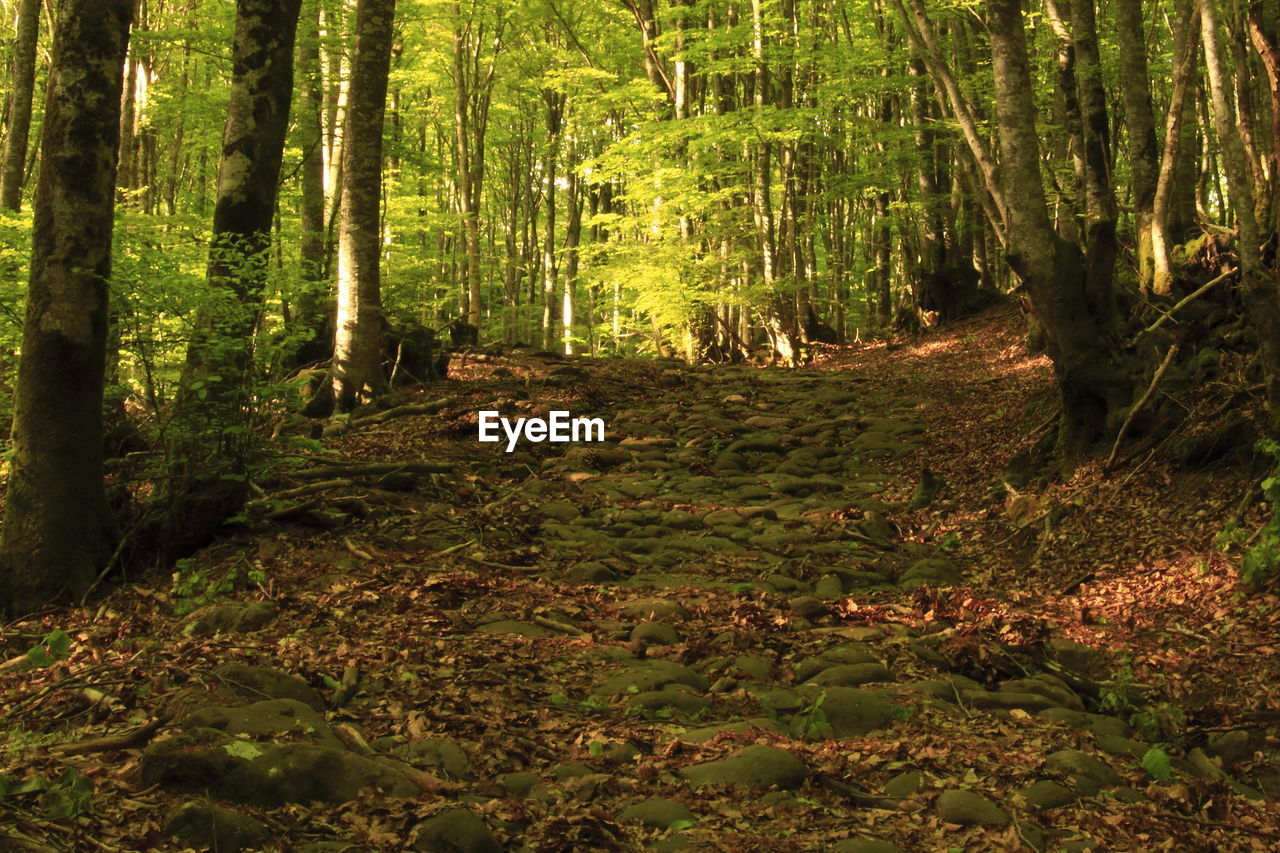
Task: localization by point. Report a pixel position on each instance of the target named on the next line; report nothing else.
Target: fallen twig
(431, 408)
(372, 470)
(126, 740)
(1204, 288)
(1137, 407)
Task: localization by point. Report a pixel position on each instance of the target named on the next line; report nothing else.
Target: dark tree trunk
(13, 169)
(57, 532)
(211, 433)
(1077, 316)
(358, 344)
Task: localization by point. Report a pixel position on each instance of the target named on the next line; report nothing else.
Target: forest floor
(724, 629)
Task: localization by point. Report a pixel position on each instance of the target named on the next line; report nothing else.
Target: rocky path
(708, 633)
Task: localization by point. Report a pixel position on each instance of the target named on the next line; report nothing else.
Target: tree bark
(357, 347)
(215, 406)
(1174, 150)
(13, 169)
(314, 300)
(56, 534)
(1257, 282)
(1078, 329)
(1139, 117)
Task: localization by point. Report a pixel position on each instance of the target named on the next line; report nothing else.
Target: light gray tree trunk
(357, 357)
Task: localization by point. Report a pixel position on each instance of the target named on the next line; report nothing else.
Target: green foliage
(1156, 762)
(1261, 560)
(194, 587)
(55, 646)
(813, 720)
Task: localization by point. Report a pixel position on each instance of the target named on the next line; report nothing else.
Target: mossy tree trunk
(210, 435)
(1069, 287)
(57, 532)
(14, 167)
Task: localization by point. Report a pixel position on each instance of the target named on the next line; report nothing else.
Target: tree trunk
(358, 345)
(215, 404)
(1174, 150)
(312, 320)
(1257, 282)
(1078, 330)
(56, 534)
(1139, 117)
(13, 169)
(550, 268)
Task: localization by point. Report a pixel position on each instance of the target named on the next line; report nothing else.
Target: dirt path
(724, 629)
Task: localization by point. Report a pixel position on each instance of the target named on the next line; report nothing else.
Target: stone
(989, 701)
(210, 762)
(675, 700)
(440, 755)
(931, 570)
(1095, 723)
(969, 809)
(258, 682)
(850, 712)
(559, 511)
(455, 831)
(1047, 794)
(1078, 763)
(760, 767)
(232, 619)
(651, 675)
(904, 784)
(851, 675)
(655, 634)
(1233, 746)
(1122, 746)
(209, 827)
(521, 783)
(264, 719)
(659, 813)
(829, 587)
(1051, 688)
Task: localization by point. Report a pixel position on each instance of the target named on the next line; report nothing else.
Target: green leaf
(680, 825)
(1156, 763)
(59, 643)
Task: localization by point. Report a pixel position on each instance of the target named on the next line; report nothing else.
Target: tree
(357, 359)
(1069, 287)
(212, 430)
(13, 167)
(57, 531)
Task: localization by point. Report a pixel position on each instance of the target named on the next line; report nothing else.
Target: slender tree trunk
(1175, 146)
(550, 267)
(313, 320)
(358, 343)
(56, 533)
(572, 238)
(1257, 282)
(1139, 117)
(22, 93)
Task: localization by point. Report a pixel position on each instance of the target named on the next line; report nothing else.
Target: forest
(574, 425)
